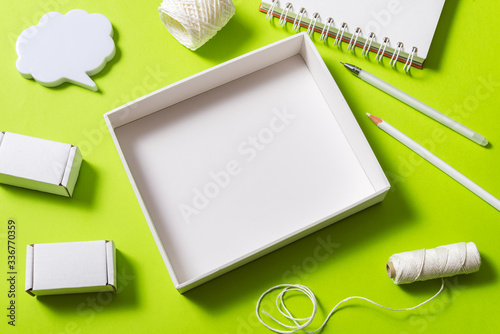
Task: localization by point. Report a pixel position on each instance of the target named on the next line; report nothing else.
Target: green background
(424, 208)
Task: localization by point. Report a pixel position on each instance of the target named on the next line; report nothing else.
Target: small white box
(70, 267)
(246, 157)
(39, 164)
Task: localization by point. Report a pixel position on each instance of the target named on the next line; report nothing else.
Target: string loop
(303, 323)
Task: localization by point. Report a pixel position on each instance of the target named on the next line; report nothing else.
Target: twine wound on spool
(194, 22)
(407, 267)
(425, 264)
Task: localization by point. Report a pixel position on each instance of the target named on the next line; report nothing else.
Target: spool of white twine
(407, 267)
(425, 264)
(194, 22)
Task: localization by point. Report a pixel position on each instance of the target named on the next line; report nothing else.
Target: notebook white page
(411, 22)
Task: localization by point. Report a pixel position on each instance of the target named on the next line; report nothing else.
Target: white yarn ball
(194, 22)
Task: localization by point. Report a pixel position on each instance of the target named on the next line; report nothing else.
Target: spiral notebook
(401, 30)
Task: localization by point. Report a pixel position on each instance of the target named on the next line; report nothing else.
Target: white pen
(418, 105)
(433, 159)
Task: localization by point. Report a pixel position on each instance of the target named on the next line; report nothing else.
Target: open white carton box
(246, 157)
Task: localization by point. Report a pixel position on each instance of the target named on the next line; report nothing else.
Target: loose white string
(280, 304)
(419, 265)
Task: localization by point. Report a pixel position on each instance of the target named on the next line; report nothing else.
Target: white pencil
(433, 159)
(418, 105)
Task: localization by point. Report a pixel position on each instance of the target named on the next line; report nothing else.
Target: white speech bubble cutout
(65, 48)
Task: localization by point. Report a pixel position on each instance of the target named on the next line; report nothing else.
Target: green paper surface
(424, 209)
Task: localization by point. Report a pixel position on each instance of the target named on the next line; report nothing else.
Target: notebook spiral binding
(341, 34)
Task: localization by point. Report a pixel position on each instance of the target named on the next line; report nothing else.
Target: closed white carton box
(246, 157)
(39, 164)
(70, 267)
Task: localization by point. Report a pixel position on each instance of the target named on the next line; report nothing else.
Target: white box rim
(297, 44)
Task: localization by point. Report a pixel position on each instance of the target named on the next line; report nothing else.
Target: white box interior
(274, 152)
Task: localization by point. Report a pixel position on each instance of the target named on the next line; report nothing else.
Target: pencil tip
(353, 69)
(375, 119)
